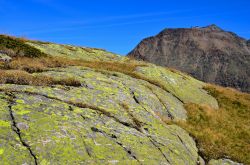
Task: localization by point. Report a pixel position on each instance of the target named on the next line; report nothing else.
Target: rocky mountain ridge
(208, 53)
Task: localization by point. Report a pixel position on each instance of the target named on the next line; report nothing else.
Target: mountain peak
(204, 52)
(213, 27)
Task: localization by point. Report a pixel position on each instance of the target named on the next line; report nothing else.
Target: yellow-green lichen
(4, 123)
(1, 151)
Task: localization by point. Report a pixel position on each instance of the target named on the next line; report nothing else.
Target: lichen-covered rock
(183, 87)
(112, 118)
(223, 162)
(52, 128)
(75, 52)
(109, 119)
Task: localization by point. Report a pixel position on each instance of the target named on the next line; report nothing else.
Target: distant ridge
(207, 53)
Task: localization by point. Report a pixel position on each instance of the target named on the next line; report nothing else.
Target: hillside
(208, 53)
(63, 104)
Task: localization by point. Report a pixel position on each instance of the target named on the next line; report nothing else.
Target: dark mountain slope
(208, 53)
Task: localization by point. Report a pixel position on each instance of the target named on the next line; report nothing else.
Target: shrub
(17, 47)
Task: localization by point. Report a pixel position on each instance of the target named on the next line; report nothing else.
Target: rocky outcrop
(111, 118)
(248, 43)
(208, 53)
(224, 162)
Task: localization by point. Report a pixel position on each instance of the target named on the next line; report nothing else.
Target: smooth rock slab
(223, 162)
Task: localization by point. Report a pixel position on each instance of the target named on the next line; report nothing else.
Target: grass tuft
(24, 78)
(224, 132)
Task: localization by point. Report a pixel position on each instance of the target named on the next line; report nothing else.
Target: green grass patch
(16, 47)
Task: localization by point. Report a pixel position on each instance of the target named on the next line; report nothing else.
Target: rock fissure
(114, 138)
(163, 104)
(84, 105)
(16, 129)
(184, 145)
(140, 77)
(138, 102)
(84, 143)
(134, 97)
(158, 148)
(137, 124)
(86, 147)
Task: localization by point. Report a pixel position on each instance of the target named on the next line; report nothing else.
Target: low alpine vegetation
(222, 132)
(16, 47)
(24, 78)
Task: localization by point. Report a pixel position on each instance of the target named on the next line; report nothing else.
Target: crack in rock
(184, 144)
(134, 97)
(162, 102)
(158, 148)
(137, 124)
(16, 129)
(83, 105)
(94, 129)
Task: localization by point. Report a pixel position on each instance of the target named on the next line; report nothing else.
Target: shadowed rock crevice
(137, 101)
(114, 138)
(16, 129)
(158, 148)
(162, 102)
(185, 145)
(134, 97)
(136, 125)
(87, 148)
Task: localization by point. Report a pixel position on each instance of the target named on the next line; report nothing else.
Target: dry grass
(224, 132)
(137, 124)
(41, 64)
(32, 65)
(23, 78)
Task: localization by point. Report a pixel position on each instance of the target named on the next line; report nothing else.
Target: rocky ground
(111, 118)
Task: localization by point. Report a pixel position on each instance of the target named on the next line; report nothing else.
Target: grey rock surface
(208, 53)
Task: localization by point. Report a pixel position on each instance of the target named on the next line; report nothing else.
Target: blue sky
(116, 25)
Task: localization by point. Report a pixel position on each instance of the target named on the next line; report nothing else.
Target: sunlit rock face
(208, 53)
(111, 118)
